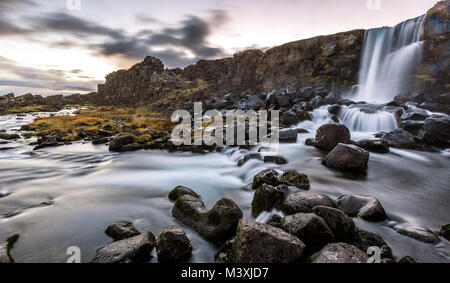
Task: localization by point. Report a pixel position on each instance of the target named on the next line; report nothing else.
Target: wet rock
(311, 229)
(375, 145)
(223, 253)
(178, 191)
(436, 131)
(121, 230)
(262, 243)
(275, 220)
(340, 224)
(302, 131)
(417, 233)
(445, 232)
(305, 202)
(295, 178)
(330, 135)
(412, 126)
(331, 98)
(288, 136)
(347, 157)
(267, 197)
(414, 116)
(400, 138)
(9, 136)
(275, 159)
(267, 176)
(334, 109)
(104, 133)
(216, 225)
(248, 157)
(135, 249)
(118, 143)
(303, 115)
(289, 118)
(173, 245)
(407, 259)
(366, 207)
(5, 249)
(100, 141)
(363, 240)
(339, 253)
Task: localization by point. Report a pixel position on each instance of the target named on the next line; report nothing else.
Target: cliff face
(329, 61)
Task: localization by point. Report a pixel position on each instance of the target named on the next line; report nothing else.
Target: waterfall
(368, 118)
(389, 55)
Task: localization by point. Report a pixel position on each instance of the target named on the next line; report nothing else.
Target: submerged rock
(216, 225)
(347, 157)
(363, 240)
(135, 249)
(305, 202)
(328, 136)
(248, 157)
(121, 230)
(339, 253)
(5, 249)
(375, 145)
(173, 245)
(267, 197)
(366, 207)
(340, 224)
(279, 160)
(181, 190)
(310, 229)
(262, 243)
(419, 234)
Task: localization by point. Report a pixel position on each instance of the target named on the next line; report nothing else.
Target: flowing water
(388, 57)
(66, 196)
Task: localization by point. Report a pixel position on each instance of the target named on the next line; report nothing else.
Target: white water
(361, 121)
(388, 57)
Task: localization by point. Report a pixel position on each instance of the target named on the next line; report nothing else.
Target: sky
(69, 46)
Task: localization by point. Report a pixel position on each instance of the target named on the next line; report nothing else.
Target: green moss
(10, 244)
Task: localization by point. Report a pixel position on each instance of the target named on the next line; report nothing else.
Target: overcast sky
(49, 46)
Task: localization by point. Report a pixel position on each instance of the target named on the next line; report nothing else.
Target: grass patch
(29, 109)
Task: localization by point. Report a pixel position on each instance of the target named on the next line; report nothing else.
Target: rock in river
(173, 245)
(216, 225)
(135, 249)
(181, 190)
(262, 243)
(268, 176)
(295, 178)
(305, 202)
(340, 224)
(420, 234)
(121, 230)
(267, 197)
(364, 239)
(347, 157)
(118, 143)
(375, 145)
(366, 207)
(328, 136)
(339, 253)
(310, 228)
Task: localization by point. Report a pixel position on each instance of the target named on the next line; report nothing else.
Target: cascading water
(388, 57)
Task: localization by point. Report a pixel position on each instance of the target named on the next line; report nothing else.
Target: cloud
(8, 7)
(38, 78)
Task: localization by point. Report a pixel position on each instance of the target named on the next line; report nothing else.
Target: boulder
(289, 118)
(121, 230)
(366, 207)
(363, 240)
(328, 136)
(436, 131)
(173, 245)
(216, 225)
(262, 243)
(223, 253)
(118, 143)
(340, 224)
(412, 126)
(400, 138)
(310, 229)
(420, 234)
(267, 176)
(178, 191)
(347, 157)
(295, 178)
(339, 253)
(374, 145)
(414, 116)
(135, 249)
(9, 136)
(303, 115)
(267, 197)
(305, 202)
(288, 136)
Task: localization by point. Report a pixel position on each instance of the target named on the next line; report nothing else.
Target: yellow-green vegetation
(29, 109)
(87, 123)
